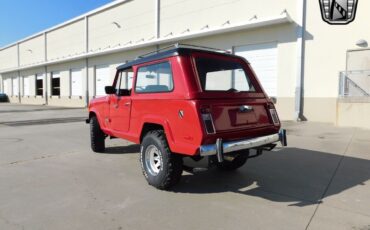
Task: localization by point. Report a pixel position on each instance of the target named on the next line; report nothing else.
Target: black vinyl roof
(168, 53)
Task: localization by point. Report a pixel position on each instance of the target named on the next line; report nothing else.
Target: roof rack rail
(178, 45)
(202, 48)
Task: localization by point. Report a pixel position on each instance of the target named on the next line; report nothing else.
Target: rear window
(154, 78)
(222, 75)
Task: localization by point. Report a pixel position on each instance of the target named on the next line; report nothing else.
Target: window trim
(150, 64)
(259, 91)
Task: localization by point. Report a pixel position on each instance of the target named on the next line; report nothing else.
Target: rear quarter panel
(184, 134)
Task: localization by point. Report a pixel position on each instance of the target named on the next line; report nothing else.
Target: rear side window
(154, 78)
(217, 74)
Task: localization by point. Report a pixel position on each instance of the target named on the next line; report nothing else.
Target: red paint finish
(125, 116)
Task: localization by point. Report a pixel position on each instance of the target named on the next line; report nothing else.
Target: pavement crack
(331, 179)
(33, 159)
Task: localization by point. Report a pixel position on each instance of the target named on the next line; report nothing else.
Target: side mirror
(110, 90)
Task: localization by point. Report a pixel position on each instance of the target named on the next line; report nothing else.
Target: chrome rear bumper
(227, 147)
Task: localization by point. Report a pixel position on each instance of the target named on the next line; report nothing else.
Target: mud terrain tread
(97, 136)
(172, 162)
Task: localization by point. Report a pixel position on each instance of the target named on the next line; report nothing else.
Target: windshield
(222, 75)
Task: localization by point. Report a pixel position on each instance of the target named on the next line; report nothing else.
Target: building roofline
(68, 22)
(251, 24)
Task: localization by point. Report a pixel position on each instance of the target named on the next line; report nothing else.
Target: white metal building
(297, 56)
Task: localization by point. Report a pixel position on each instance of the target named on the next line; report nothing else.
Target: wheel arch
(94, 113)
(151, 125)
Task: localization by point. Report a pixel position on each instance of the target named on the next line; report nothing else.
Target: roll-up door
(6, 87)
(263, 58)
(102, 79)
(26, 86)
(15, 86)
(76, 82)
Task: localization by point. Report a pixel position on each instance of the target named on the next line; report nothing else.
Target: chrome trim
(227, 147)
(245, 108)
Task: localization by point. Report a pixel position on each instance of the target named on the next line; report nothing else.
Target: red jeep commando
(186, 106)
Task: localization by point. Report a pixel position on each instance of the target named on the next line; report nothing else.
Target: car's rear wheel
(97, 137)
(235, 163)
(161, 168)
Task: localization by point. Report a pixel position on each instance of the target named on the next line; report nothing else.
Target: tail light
(273, 114)
(207, 120)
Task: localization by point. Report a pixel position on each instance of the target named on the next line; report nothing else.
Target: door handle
(115, 106)
(127, 104)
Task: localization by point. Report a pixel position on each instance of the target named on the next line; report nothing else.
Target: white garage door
(102, 76)
(15, 86)
(76, 82)
(26, 86)
(263, 58)
(7, 87)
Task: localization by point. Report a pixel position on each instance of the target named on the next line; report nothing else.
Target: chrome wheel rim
(153, 159)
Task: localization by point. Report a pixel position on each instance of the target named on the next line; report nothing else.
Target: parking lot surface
(50, 179)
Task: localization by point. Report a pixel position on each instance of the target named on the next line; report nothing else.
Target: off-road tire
(238, 162)
(97, 137)
(171, 168)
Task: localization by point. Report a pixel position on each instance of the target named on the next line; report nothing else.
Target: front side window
(124, 81)
(217, 74)
(154, 78)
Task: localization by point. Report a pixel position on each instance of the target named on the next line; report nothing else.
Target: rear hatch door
(230, 92)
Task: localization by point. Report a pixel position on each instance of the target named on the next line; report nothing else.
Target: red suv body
(190, 101)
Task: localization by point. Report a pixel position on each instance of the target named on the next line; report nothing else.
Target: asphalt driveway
(50, 179)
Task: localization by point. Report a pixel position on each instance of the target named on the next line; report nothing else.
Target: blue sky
(21, 18)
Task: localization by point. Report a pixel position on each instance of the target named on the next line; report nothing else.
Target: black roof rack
(173, 50)
(179, 45)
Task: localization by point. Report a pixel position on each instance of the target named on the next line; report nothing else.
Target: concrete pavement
(50, 179)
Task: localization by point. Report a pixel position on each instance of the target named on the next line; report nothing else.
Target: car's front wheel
(97, 137)
(161, 168)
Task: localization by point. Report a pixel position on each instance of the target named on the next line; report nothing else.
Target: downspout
(301, 28)
(46, 69)
(157, 20)
(19, 75)
(19, 87)
(87, 59)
